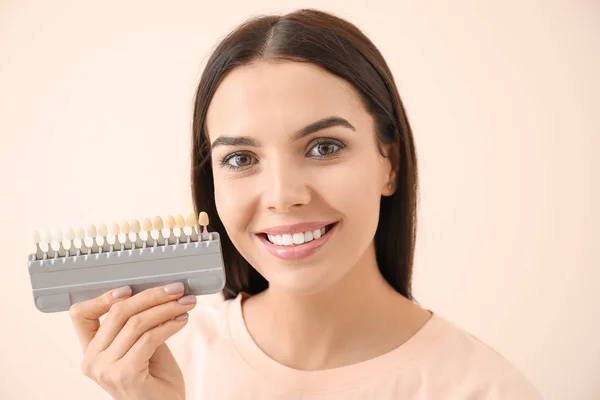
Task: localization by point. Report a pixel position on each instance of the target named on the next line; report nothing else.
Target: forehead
(278, 95)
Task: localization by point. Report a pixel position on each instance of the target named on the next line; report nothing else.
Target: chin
(302, 279)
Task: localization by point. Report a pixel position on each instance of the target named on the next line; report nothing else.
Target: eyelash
(225, 160)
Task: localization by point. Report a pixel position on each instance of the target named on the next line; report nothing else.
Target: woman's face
(294, 151)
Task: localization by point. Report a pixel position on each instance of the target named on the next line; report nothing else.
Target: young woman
(304, 159)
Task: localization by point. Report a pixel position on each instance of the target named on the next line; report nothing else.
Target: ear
(390, 184)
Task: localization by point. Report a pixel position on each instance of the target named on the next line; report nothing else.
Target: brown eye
(242, 160)
(326, 148)
(238, 161)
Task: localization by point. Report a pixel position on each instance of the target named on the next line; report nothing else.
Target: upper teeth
(290, 239)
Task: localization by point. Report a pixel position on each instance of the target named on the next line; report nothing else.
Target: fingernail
(190, 299)
(182, 317)
(121, 292)
(174, 288)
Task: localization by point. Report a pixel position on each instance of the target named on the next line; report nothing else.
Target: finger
(121, 312)
(85, 315)
(147, 344)
(145, 321)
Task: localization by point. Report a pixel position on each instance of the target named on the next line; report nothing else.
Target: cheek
(354, 191)
(349, 186)
(232, 206)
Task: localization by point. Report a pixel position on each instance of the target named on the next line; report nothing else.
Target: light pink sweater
(220, 361)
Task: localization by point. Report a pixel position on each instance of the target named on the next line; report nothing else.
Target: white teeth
(298, 238)
(287, 239)
(308, 236)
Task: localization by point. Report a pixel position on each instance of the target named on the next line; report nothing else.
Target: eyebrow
(307, 130)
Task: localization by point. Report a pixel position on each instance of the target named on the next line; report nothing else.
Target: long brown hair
(339, 47)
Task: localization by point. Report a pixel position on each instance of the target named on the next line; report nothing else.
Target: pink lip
(300, 251)
(297, 228)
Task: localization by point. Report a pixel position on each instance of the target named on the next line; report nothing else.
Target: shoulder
(477, 368)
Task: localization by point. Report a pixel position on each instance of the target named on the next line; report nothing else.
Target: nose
(284, 186)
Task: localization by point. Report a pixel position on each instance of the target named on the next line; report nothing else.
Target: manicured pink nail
(186, 300)
(182, 317)
(174, 288)
(121, 292)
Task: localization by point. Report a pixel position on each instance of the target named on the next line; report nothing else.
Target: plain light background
(503, 96)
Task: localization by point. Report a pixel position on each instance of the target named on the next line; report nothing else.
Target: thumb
(85, 315)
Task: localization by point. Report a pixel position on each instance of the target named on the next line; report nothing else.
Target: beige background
(95, 110)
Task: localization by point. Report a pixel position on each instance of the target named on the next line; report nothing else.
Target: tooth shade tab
(57, 236)
(70, 234)
(125, 228)
(80, 233)
(179, 221)
(170, 222)
(135, 226)
(92, 231)
(147, 224)
(46, 237)
(158, 223)
(102, 230)
(37, 238)
(191, 220)
(115, 229)
(203, 218)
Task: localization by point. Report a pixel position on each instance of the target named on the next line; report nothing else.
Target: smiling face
(294, 150)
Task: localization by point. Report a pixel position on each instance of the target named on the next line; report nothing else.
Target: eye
(326, 148)
(237, 161)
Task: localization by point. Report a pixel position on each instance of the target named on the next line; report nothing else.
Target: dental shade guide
(77, 272)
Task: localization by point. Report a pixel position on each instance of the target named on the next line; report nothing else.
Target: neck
(325, 329)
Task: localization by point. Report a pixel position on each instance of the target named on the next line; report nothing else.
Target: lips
(297, 251)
